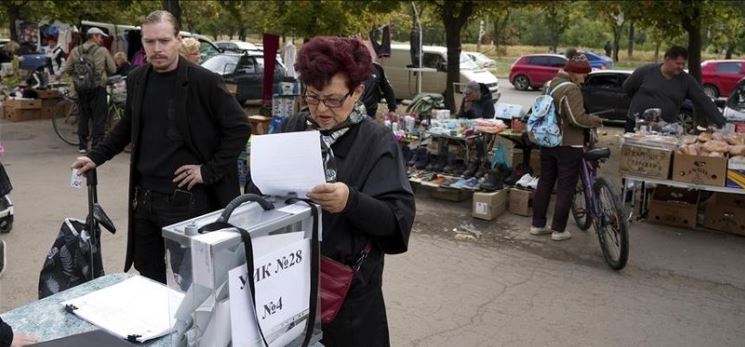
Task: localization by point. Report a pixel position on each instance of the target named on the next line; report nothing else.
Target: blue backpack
(543, 124)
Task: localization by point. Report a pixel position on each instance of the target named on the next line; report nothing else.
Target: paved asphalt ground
(680, 288)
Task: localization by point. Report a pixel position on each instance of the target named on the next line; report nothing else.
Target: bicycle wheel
(579, 208)
(612, 229)
(65, 122)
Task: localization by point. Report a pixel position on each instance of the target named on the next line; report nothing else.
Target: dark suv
(534, 70)
(244, 70)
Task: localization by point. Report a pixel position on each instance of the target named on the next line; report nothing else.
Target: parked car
(734, 106)
(434, 78)
(245, 70)
(236, 46)
(534, 70)
(603, 94)
(598, 61)
(482, 60)
(721, 76)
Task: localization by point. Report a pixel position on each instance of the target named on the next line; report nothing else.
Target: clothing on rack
(382, 49)
(290, 53)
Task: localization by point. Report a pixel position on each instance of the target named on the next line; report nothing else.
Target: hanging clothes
(289, 58)
(271, 45)
(382, 49)
(414, 47)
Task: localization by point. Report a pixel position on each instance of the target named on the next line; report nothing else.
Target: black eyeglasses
(329, 102)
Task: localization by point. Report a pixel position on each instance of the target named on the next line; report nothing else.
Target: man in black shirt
(376, 87)
(666, 86)
(187, 132)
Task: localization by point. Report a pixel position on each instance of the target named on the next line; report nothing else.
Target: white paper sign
(282, 280)
(287, 162)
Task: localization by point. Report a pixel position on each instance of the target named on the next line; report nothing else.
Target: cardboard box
(673, 206)
(451, 194)
(24, 104)
(725, 212)
(489, 206)
(48, 107)
(521, 202)
(645, 161)
(696, 169)
(735, 174)
(20, 115)
(535, 160)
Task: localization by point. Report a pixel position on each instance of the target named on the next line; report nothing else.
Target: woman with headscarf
(367, 201)
(561, 163)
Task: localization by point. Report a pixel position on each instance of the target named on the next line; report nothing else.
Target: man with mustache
(187, 132)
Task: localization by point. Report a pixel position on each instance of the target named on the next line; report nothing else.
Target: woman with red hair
(368, 205)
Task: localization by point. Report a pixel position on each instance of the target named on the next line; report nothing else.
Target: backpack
(84, 74)
(543, 124)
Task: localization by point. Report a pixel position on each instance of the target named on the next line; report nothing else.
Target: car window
(206, 50)
(467, 63)
(431, 60)
(731, 67)
(246, 65)
(556, 62)
(538, 60)
(602, 81)
(221, 64)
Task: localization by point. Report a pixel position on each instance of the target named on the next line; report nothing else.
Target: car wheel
(685, 118)
(521, 82)
(711, 91)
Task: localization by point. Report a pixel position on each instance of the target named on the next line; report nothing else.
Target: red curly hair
(323, 57)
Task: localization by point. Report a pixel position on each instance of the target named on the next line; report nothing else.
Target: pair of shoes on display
(473, 167)
(408, 155)
(493, 180)
(421, 158)
(517, 173)
(528, 181)
(466, 183)
(555, 235)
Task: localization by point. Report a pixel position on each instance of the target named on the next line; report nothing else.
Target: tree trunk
(616, 41)
(500, 24)
(631, 39)
(242, 33)
(730, 50)
(657, 50)
(691, 21)
(13, 15)
(453, 26)
(173, 6)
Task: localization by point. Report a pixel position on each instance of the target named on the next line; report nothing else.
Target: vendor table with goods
(699, 180)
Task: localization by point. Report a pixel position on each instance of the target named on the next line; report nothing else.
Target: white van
(435, 57)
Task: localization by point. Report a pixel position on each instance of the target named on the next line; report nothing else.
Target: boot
(492, 181)
(441, 162)
(432, 162)
(516, 174)
(408, 155)
(421, 158)
(452, 163)
(473, 166)
(483, 168)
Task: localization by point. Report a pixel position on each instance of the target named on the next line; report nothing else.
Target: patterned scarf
(330, 136)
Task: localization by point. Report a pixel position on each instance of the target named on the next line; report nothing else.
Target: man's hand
(331, 196)
(83, 164)
(188, 175)
(20, 340)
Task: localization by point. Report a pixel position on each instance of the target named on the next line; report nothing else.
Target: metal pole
(421, 52)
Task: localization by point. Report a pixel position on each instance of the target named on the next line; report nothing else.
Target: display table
(46, 319)
(522, 142)
(644, 199)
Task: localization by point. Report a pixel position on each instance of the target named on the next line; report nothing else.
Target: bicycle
(66, 114)
(65, 119)
(596, 202)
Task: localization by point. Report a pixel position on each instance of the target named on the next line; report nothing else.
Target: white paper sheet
(287, 162)
(135, 306)
(281, 293)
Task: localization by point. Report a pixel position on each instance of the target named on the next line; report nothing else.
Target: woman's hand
(20, 340)
(331, 196)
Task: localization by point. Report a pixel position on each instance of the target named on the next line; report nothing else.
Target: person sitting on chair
(477, 103)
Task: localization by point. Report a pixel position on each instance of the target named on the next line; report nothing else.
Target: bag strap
(222, 223)
(553, 90)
